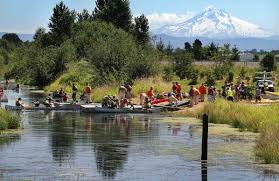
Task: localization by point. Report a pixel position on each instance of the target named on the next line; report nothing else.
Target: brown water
(74, 146)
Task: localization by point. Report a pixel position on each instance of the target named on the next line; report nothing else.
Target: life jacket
(88, 90)
(178, 88)
(197, 92)
(202, 90)
(150, 93)
(230, 93)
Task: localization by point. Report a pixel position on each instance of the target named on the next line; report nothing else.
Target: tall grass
(267, 147)
(8, 120)
(262, 119)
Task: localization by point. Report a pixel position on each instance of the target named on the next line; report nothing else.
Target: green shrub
(9, 120)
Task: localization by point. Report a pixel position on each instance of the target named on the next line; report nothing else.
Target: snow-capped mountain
(214, 23)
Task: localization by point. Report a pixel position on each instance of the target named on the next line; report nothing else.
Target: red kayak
(157, 101)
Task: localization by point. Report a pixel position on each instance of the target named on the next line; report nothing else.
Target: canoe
(97, 109)
(157, 101)
(4, 100)
(66, 107)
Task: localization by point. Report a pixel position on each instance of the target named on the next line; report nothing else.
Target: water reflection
(108, 135)
(62, 138)
(111, 142)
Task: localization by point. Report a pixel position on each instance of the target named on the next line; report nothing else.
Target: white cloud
(157, 20)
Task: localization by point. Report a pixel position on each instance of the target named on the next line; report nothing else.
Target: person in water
(19, 102)
(17, 88)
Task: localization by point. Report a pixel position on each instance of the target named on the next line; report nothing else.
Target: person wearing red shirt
(88, 93)
(150, 93)
(202, 90)
(65, 98)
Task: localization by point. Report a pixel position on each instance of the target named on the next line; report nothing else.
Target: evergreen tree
(84, 16)
(12, 38)
(169, 49)
(213, 48)
(268, 62)
(141, 29)
(61, 23)
(256, 58)
(187, 47)
(197, 49)
(160, 45)
(116, 12)
(235, 54)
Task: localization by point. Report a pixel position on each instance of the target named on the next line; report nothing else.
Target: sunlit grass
(262, 119)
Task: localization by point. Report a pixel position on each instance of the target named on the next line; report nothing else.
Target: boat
(4, 100)
(135, 110)
(58, 107)
(157, 101)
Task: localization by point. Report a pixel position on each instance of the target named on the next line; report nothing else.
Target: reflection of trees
(62, 138)
(111, 141)
(7, 140)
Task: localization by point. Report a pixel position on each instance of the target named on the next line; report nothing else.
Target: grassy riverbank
(8, 120)
(262, 119)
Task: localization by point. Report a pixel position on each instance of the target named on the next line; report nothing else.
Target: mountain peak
(210, 8)
(214, 23)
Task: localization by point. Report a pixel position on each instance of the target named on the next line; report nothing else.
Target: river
(75, 146)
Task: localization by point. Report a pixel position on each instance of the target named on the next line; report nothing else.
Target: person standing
(88, 93)
(122, 95)
(150, 93)
(196, 95)
(74, 94)
(211, 94)
(258, 95)
(192, 96)
(229, 94)
(129, 93)
(179, 91)
(7, 84)
(202, 90)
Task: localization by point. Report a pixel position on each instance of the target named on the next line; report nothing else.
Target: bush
(9, 120)
(268, 63)
(168, 73)
(210, 79)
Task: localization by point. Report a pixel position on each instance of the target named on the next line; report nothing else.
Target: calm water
(74, 146)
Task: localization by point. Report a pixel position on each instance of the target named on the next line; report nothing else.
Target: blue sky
(25, 16)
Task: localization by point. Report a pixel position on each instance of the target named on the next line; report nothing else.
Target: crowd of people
(228, 91)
